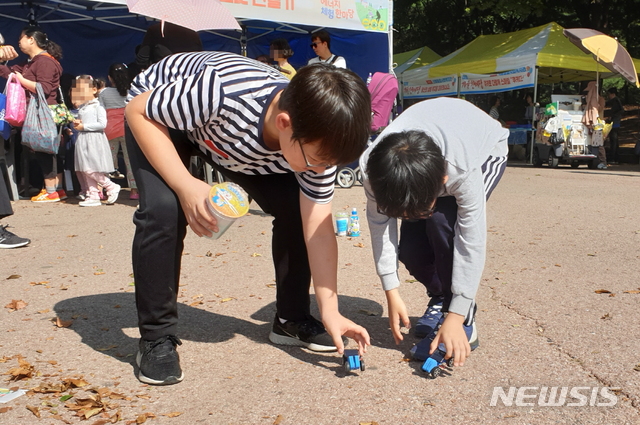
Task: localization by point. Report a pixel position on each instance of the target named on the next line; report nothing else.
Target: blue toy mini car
(351, 360)
(435, 363)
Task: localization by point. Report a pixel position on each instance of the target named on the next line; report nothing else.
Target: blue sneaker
(430, 319)
(420, 351)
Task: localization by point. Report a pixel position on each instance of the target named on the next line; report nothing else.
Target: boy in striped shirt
(277, 139)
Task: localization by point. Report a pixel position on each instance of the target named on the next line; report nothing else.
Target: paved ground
(555, 238)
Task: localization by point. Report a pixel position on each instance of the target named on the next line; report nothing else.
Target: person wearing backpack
(321, 45)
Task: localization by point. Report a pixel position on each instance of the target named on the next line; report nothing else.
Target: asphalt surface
(556, 236)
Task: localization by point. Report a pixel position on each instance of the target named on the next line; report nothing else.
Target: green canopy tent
(413, 59)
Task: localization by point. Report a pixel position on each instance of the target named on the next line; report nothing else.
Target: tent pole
(535, 97)
(243, 40)
(390, 36)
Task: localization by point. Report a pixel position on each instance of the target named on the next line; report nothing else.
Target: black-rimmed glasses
(306, 161)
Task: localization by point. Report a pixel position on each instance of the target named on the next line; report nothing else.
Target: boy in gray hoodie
(434, 168)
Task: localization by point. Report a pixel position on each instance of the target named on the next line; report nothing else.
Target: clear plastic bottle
(354, 223)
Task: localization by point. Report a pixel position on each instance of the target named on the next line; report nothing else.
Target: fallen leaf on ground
(14, 276)
(602, 291)
(359, 245)
(97, 273)
(224, 300)
(44, 282)
(278, 420)
(16, 305)
(607, 317)
(633, 291)
(23, 371)
(34, 410)
(172, 414)
(637, 368)
(5, 409)
(195, 303)
(255, 254)
(110, 347)
(62, 323)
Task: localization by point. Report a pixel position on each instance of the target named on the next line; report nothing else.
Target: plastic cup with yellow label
(227, 202)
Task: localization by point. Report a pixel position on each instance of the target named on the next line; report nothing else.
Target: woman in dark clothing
(44, 68)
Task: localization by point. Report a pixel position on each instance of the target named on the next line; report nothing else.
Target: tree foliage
(447, 25)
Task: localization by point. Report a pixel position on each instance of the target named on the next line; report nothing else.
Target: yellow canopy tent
(544, 47)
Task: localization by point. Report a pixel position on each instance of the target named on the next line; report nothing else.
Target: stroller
(384, 89)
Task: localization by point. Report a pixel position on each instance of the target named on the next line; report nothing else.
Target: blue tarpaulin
(95, 35)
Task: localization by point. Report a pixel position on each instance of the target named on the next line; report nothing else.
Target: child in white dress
(92, 155)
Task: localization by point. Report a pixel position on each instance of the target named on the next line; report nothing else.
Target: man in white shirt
(321, 44)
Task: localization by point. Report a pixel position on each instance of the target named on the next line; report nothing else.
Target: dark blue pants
(426, 246)
(161, 228)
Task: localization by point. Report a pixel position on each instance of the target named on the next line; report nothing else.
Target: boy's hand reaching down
(454, 338)
(338, 325)
(398, 315)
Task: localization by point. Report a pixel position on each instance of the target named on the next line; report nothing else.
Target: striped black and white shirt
(220, 100)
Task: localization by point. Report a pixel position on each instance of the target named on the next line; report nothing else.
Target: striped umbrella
(606, 50)
(193, 14)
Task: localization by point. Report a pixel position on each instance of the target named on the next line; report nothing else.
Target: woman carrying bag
(43, 68)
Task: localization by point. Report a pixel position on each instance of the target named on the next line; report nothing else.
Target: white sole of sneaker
(474, 342)
(15, 245)
(294, 342)
(142, 378)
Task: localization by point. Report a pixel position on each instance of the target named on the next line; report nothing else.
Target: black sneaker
(9, 240)
(159, 362)
(308, 333)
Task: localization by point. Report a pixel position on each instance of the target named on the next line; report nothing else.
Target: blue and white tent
(94, 34)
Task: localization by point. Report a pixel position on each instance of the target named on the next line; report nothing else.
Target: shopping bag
(5, 128)
(597, 139)
(16, 102)
(61, 114)
(39, 132)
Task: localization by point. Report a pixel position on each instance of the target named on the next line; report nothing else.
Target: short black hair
(406, 171)
(330, 105)
(282, 45)
(323, 36)
(613, 90)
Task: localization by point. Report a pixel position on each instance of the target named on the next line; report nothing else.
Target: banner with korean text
(494, 83)
(363, 15)
(431, 87)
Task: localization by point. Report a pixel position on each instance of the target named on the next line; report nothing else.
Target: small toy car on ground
(434, 364)
(351, 360)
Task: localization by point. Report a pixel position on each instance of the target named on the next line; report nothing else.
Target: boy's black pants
(426, 246)
(161, 228)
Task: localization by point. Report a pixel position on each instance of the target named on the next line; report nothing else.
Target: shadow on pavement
(101, 319)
